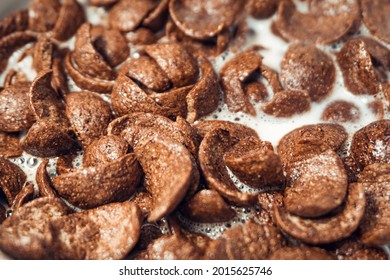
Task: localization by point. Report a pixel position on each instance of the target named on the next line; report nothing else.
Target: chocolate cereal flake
(25, 195)
(43, 180)
(43, 54)
(341, 111)
(9, 145)
(287, 103)
(305, 67)
(107, 232)
(43, 14)
(375, 17)
(94, 186)
(12, 179)
(17, 21)
(236, 129)
(327, 229)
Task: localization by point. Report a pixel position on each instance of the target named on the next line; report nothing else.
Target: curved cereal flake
(310, 139)
(327, 229)
(43, 54)
(140, 127)
(60, 78)
(211, 153)
(250, 241)
(301, 253)
(111, 44)
(126, 15)
(104, 150)
(48, 138)
(94, 186)
(85, 82)
(326, 22)
(233, 74)
(43, 181)
(255, 163)
(305, 67)
(43, 14)
(12, 179)
(141, 36)
(261, 9)
(177, 63)
(88, 114)
(102, 2)
(25, 195)
(45, 101)
(287, 103)
(17, 21)
(375, 17)
(9, 44)
(315, 185)
(71, 16)
(26, 234)
(169, 169)
(380, 54)
(341, 111)
(9, 145)
(87, 59)
(65, 163)
(237, 130)
(157, 18)
(357, 68)
(104, 233)
(207, 206)
(371, 144)
(204, 19)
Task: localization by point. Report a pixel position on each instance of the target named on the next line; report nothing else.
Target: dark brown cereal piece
(102, 2)
(87, 59)
(377, 108)
(43, 181)
(156, 19)
(357, 68)
(141, 127)
(211, 153)
(375, 17)
(177, 63)
(203, 98)
(341, 111)
(371, 144)
(47, 138)
(17, 21)
(287, 103)
(326, 22)
(305, 67)
(15, 78)
(375, 173)
(9, 44)
(104, 150)
(60, 78)
(353, 249)
(65, 163)
(128, 15)
(141, 36)
(45, 101)
(301, 253)
(146, 71)
(268, 200)
(233, 74)
(257, 91)
(94, 186)
(272, 78)
(380, 54)
(12, 179)
(202, 19)
(375, 225)
(236, 129)
(9, 145)
(207, 206)
(327, 229)
(173, 247)
(26, 235)
(43, 54)
(111, 44)
(315, 185)
(144, 200)
(250, 241)
(43, 14)
(70, 17)
(2, 213)
(310, 139)
(89, 116)
(169, 170)
(15, 110)
(25, 195)
(262, 8)
(107, 232)
(255, 163)
(84, 82)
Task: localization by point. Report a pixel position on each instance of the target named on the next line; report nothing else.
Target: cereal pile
(166, 129)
